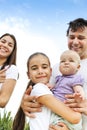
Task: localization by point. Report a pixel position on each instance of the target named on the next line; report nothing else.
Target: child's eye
(62, 61)
(45, 66)
(71, 61)
(33, 68)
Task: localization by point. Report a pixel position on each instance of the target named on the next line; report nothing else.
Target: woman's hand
(2, 75)
(60, 126)
(29, 104)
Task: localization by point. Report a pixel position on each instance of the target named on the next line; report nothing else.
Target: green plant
(27, 126)
(6, 122)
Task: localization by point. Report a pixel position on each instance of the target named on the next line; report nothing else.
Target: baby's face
(69, 63)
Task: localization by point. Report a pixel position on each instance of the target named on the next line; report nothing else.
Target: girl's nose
(40, 70)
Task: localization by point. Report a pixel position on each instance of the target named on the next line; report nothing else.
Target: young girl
(8, 69)
(39, 72)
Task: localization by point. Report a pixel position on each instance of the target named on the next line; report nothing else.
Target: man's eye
(81, 38)
(72, 37)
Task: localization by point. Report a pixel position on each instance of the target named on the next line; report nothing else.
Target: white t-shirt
(41, 122)
(11, 73)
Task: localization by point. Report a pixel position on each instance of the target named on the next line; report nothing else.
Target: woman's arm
(2, 75)
(6, 91)
(8, 85)
(59, 108)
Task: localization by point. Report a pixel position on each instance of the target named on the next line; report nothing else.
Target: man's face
(77, 41)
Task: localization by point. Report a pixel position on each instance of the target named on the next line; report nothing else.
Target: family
(47, 105)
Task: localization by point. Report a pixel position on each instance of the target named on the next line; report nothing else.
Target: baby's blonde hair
(72, 52)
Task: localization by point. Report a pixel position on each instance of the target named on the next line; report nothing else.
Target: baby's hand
(50, 86)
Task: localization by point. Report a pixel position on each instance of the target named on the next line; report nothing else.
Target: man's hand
(70, 102)
(77, 106)
(29, 104)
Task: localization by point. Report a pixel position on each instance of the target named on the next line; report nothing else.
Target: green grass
(6, 122)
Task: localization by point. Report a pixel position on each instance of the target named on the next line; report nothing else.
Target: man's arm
(28, 105)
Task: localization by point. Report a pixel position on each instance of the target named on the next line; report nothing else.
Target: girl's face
(69, 64)
(39, 69)
(6, 46)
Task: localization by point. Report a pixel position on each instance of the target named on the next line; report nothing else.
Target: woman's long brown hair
(12, 58)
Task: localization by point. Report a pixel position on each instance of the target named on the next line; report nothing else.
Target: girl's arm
(59, 108)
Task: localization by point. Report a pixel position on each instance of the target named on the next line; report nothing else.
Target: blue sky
(42, 17)
(42, 14)
(39, 25)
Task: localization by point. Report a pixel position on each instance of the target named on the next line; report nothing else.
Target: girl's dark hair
(76, 24)
(19, 120)
(12, 58)
(35, 54)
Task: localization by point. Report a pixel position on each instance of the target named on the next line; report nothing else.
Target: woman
(8, 69)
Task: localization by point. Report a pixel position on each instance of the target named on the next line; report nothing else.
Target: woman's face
(6, 46)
